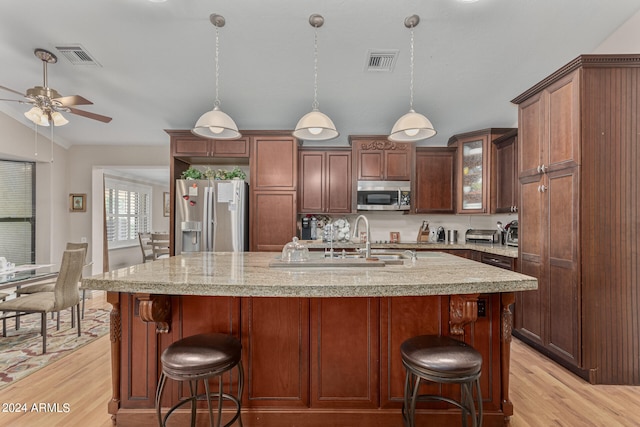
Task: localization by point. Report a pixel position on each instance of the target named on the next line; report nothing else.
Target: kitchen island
(320, 345)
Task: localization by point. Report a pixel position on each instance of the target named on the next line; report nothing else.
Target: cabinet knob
(542, 188)
(542, 169)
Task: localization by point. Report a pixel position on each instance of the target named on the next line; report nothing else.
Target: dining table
(26, 274)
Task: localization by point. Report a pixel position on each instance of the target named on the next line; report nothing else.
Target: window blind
(17, 211)
(128, 211)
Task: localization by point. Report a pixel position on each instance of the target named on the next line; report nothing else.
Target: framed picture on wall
(77, 202)
(166, 204)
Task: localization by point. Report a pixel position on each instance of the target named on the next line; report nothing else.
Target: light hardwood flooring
(543, 393)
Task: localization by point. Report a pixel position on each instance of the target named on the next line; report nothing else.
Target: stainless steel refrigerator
(211, 216)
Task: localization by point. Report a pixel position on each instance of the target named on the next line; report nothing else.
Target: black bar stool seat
(201, 357)
(441, 359)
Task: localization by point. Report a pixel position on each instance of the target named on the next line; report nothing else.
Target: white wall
(625, 39)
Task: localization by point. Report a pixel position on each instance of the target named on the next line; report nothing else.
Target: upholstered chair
(65, 294)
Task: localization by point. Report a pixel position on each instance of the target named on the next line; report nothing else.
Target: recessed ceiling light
(162, 1)
(468, 1)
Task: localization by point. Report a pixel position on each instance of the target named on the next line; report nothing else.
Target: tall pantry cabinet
(578, 162)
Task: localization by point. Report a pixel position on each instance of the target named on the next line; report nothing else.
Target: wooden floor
(543, 393)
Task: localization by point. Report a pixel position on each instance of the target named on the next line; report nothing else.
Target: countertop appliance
(211, 216)
(512, 234)
(482, 236)
(384, 195)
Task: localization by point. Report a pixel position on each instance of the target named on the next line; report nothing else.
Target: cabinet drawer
(498, 261)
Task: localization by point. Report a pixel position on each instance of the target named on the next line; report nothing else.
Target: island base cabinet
(309, 361)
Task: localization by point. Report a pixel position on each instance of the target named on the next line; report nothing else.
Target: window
(17, 212)
(128, 211)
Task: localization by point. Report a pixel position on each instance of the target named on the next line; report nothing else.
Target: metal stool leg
(159, 389)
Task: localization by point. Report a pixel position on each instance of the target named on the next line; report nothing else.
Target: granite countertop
(248, 274)
(492, 248)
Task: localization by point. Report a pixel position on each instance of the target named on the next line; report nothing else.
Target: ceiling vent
(77, 55)
(381, 60)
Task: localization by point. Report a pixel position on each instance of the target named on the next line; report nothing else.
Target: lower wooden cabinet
(275, 345)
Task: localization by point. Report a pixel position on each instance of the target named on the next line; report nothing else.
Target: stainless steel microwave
(384, 195)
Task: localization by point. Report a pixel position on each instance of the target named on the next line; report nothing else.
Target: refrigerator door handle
(213, 218)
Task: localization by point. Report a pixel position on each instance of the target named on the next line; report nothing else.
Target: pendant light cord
(315, 104)
(216, 103)
(411, 80)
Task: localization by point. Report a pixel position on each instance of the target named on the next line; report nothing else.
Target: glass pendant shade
(37, 116)
(58, 119)
(315, 126)
(216, 124)
(412, 127)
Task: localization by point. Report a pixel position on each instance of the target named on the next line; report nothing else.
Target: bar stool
(441, 359)
(201, 357)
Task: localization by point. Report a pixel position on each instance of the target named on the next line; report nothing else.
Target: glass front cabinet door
(472, 166)
(474, 169)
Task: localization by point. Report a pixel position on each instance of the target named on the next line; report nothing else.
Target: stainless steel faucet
(355, 233)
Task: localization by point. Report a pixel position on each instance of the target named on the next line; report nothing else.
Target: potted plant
(192, 173)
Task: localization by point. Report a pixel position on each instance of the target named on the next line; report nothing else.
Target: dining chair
(49, 286)
(160, 245)
(65, 294)
(145, 246)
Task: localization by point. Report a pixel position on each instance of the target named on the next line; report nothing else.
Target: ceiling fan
(48, 103)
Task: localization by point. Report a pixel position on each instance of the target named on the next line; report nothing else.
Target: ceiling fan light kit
(216, 124)
(48, 103)
(315, 126)
(412, 126)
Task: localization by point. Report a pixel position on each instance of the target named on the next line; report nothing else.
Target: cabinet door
(231, 148)
(563, 147)
(435, 180)
(278, 368)
(531, 124)
(506, 176)
(473, 163)
(563, 331)
(344, 361)
(398, 163)
(273, 219)
(194, 146)
(371, 165)
(338, 182)
(530, 305)
(274, 163)
(311, 181)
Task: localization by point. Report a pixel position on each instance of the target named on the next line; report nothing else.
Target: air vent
(77, 55)
(381, 60)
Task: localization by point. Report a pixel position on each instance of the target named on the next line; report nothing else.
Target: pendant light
(216, 124)
(412, 126)
(315, 126)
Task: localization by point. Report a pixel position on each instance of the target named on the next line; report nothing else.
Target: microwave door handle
(399, 197)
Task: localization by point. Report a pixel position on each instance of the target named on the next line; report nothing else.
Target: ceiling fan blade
(11, 90)
(68, 101)
(89, 115)
(21, 101)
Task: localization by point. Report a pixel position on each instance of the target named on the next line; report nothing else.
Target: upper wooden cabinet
(504, 183)
(474, 169)
(434, 186)
(324, 181)
(378, 159)
(186, 144)
(274, 163)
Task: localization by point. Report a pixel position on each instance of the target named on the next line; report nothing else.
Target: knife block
(423, 236)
